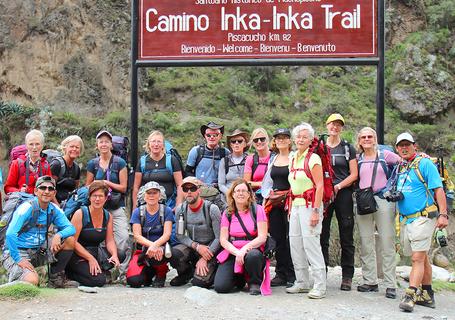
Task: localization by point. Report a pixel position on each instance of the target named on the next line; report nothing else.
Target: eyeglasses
(366, 137)
(262, 139)
(239, 141)
(241, 191)
(211, 135)
(192, 189)
(49, 188)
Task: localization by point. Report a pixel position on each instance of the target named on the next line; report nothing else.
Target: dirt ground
(118, 302)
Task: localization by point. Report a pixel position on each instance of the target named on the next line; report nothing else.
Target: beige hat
(192, 180)
(235, 133)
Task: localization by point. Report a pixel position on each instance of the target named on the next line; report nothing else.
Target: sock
(62, 260)
(413, 288)
(428, 288)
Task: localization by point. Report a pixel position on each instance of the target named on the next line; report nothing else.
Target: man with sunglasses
(204, 161)
(27, 245)
(422, 208)
(198, 231)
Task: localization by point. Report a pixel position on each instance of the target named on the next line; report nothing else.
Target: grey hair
(301, 127)
(35, 133)
(72, 138)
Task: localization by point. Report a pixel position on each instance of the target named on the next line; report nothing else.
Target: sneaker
(368, 288)
(59, 280)
(346, 284)
(298, 287)
(316, 294)
(158, 282)
(408, 301)
(255, 290)
(180, 280)
(278, 282)
(391, 293)
(426, 299)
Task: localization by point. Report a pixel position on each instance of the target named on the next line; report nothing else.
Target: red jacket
(17, 172)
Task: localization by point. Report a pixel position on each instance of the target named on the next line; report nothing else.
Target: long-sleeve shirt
(196, 226)
(17, 174)
(35, 236)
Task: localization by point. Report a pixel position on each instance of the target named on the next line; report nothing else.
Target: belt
(424, 213)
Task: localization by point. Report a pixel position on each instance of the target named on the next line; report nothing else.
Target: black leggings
(78, 269)
(343, 207)
(226, 279)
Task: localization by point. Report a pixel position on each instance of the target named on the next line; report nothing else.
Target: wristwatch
(445, 214)
(316, 210)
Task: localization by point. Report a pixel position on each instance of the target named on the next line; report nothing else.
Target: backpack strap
(142, 215)
(169, 163)
(162, 209)
(86, 217)
(62, 163)
(255, 164)
(200, 154)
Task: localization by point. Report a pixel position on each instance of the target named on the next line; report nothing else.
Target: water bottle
(180, 225)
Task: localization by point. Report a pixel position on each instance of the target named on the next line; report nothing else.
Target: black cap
(282, 131)
(212, 125)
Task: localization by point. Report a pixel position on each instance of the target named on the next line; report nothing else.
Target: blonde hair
(68, 140)
(258, 131)
(375, 138)
(151, 135)
(232, 207)
(34, 134)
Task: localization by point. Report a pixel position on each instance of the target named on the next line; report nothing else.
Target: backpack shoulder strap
(254, 216)
(206, 212)
(383, 163)
(143, 161)
(106, 217)
(417, 171)
(226, 164)
(62, 163)
(142, 214)
(162, 209)
(200, 154)
(255, 163)
(169, 163)
(346, 149)
(85, 216)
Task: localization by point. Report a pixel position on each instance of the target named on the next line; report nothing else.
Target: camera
(441, 238)
(393, 195)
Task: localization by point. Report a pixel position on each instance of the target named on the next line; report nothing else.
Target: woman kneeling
(152, 227)
(243, 234)
(93, 226)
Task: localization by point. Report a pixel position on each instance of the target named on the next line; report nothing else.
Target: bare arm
(120, 187)
(353, 176)
(178, 178)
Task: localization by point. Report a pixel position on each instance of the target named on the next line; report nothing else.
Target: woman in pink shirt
(242, 235)
(256, 164)
(371, 160)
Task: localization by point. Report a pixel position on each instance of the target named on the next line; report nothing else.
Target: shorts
(14, 271)
(417, 235)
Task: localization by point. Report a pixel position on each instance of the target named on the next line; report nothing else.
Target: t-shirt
(298, 180)
(414, 191)
(236, 229)
(235, 171)
(261, 169)
(339, 164)
(152, 228)
(366, 171)
(67, 183)
(157, 171)
(207, 168)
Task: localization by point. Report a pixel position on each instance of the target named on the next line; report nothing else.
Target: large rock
(201, 296)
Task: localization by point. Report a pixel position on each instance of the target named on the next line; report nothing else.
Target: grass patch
(439, 285)
(19, 291)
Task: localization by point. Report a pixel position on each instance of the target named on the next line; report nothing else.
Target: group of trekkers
(219, 219)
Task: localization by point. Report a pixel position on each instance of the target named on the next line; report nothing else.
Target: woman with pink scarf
(243, 234)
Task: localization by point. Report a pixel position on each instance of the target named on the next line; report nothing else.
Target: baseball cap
(404, 136)
(335, 117)
(44, 179)
(282, 131)
(104, 133)
(192, 180)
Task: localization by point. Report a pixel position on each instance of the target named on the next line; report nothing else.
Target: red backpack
(319, 147)
(16, 152)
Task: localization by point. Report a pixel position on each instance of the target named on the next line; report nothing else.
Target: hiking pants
(384, 220)
(122, 237)
(78, 269)
(343, 207)
(306, 247)
(279, 230)
(184, 260)
(226, 279)
(141, 274)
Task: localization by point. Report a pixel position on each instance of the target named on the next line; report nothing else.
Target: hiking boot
(255, 290)
(158, 282)
(278, 282)
(408, 301)
(298, 287)
(316, 294)
(180, 280)
(426, 299)
(346, 284)
(58, 280)
(391, 293)
(368, 288)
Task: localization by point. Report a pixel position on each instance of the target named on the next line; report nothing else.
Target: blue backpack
(76, 200)
(173, 239)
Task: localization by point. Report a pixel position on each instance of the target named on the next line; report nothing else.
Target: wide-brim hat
(236, 133)
(211, 125)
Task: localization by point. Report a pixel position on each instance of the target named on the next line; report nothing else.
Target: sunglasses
(262, 139)
(192, 189)
(49, 188)
(211, 135)
(235, 141)
(366, 137)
